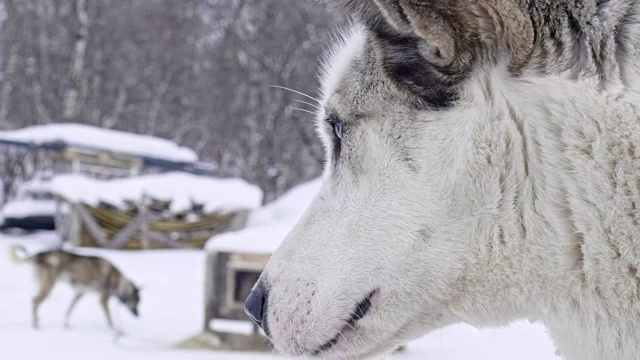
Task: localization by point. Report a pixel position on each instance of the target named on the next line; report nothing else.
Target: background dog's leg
(75, 300)
(104, 301)
(47, 280)
(117, 335)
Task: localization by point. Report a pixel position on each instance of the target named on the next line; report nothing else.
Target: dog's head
(129, 296)
(378, 257)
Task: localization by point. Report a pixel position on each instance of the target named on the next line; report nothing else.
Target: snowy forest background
(198, 72)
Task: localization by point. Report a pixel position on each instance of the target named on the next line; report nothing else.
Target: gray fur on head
(483, 166)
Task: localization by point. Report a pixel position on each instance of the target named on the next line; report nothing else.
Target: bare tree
(77, 83)
(199, 72)
(12, 9)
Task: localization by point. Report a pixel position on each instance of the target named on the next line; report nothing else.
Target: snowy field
(171, 310)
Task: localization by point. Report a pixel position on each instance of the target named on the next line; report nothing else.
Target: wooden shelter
(229, 279)
(95, 163)
(101, 153)
(230, 276)
(235, 261)
(89, 226)
(151, 211)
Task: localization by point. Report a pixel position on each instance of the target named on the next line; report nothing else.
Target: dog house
(235, 261)
(232, 268)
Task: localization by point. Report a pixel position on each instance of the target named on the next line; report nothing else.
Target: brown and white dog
(86, 274)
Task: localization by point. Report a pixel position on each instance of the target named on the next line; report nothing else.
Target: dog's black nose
(256, 305)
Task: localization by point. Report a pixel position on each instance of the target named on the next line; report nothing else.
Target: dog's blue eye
(337, 129)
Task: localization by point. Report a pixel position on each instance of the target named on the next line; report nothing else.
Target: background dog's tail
(19, 254)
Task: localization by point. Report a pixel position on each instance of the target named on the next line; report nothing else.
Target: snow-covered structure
(33, 208)
(102, 153)
(267, 226)
(150, 211)
(180, 190)
(235, 261)
(55, 149)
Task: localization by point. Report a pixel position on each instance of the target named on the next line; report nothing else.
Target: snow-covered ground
(171, 310)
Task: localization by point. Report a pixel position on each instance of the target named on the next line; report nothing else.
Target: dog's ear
(454, 32)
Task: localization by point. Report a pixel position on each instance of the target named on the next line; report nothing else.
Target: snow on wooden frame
(267, 227)
(217, 195)
(103, 139)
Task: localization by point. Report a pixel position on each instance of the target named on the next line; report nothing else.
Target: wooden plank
(144, 228)
(99, 235)
(128, 232)
(75, 227)
(216, 288)
(62, 222)
(209, 301)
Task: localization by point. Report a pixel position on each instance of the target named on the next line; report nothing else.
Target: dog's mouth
(361, 310)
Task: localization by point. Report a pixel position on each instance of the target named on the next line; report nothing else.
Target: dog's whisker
(297, 92)
(308, 103)
(303, 110)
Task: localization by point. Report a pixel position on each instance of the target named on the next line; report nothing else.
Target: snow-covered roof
(35, 185)
(219, 195)
(23, 208)
(103, 139)
(32, 200)
(268, 226)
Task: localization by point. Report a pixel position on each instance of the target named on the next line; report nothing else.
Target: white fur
(520, 202)
(347, 44)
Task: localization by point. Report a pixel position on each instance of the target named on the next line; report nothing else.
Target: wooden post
(144, 227)
(126, 233)
(62, 226)
(75, 226)
(209, 304)
(99, 235)
(215, 287)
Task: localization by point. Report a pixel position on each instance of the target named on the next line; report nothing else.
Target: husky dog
(483, 166)
(85, 274)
